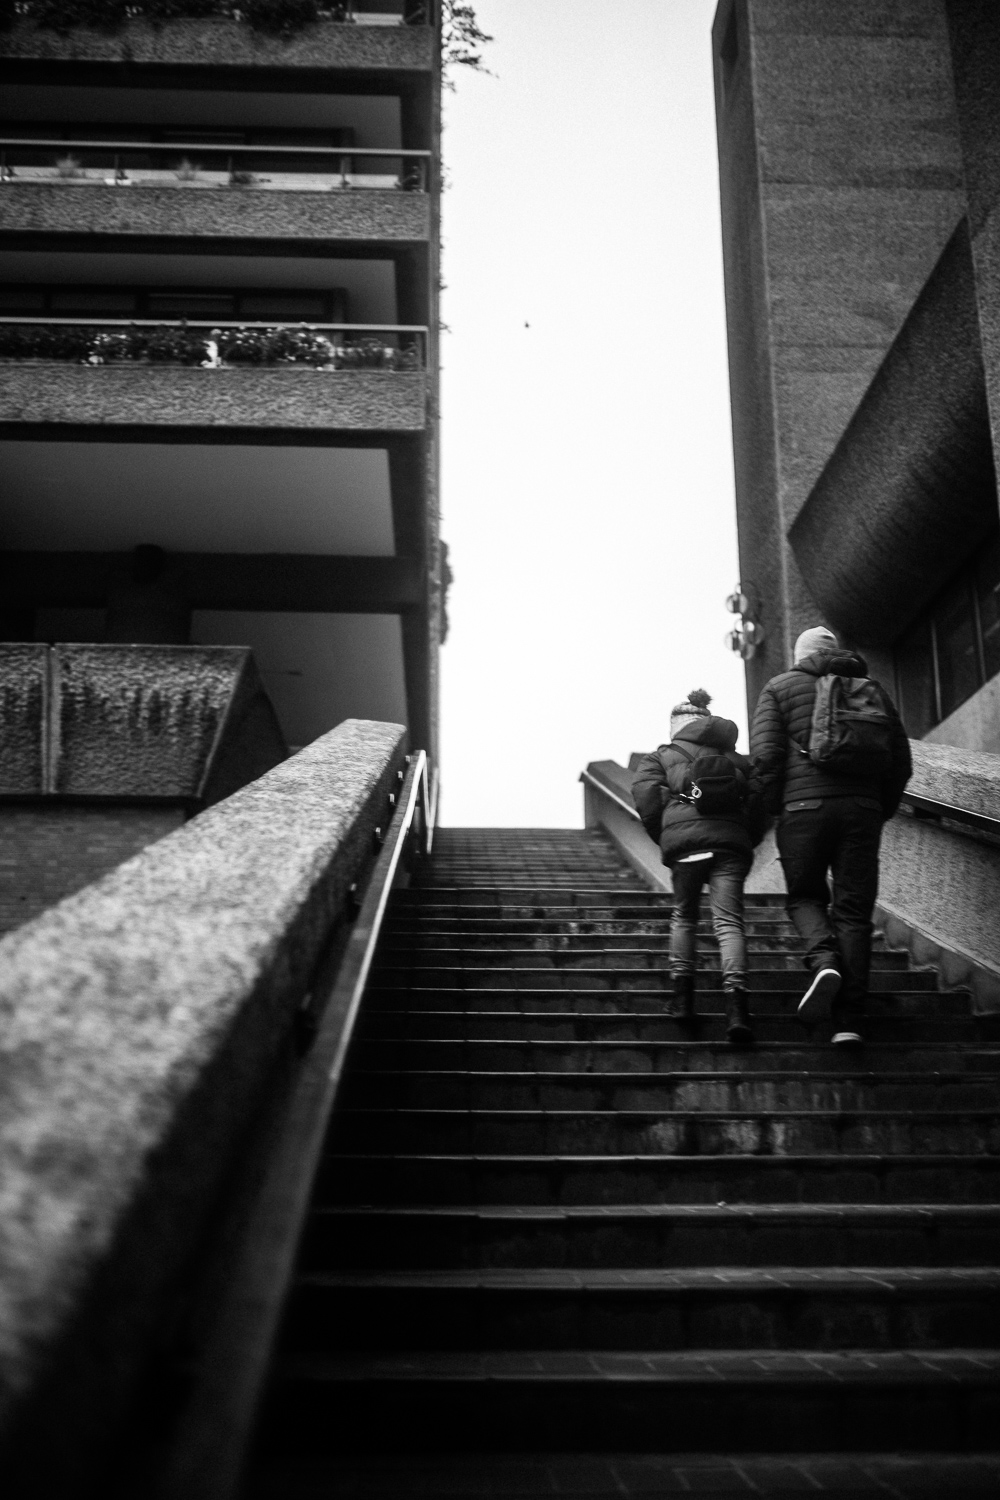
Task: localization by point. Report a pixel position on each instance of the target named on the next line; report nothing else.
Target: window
(953, 648)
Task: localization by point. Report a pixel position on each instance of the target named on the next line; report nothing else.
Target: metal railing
(928, 809)
(412, 176)
(403, 345)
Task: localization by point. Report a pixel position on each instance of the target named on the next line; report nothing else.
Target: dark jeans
(840, 835)
(724, 873)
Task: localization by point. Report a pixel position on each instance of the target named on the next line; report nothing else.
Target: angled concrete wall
(841, 182)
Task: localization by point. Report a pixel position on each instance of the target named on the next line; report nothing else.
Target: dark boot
(684, 994)
(738, 1030)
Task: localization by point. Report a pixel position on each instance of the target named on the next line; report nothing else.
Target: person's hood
(718, 734)
(842, 663)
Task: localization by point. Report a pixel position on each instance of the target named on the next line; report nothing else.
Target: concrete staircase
(560, 1246)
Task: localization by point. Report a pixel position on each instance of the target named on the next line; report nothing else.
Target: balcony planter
(146, 396)
(218, 43)
(163, 210)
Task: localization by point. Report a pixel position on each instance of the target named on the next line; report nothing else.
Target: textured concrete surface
(362, 214)
(962, 778)
(625, 832)
(24, 696)
(974, 28)
(841, 183)
(975, 724)
(218, 43)
(910, 487)
(49, 850)
(139, 1019)
(939, 892)
(134, 721)
(173, 396)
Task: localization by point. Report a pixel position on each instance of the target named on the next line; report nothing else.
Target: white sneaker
(815, 1003)
(847, 1039)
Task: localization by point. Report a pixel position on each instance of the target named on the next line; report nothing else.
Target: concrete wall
(218, 43)
(142, 1016)
(294, 399)
(240, 213)
(841, 183)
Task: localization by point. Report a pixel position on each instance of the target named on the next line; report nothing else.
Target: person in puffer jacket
(827, 821)
(701, 848)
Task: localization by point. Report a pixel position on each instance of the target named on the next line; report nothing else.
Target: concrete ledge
(290, 398)
(140, 1017)
(244, 213)
(174, 722)
(968, 779)
(221, 44)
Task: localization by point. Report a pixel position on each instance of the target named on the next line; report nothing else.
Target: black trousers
(839, 835)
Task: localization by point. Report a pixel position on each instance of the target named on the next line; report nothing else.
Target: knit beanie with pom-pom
(696, 707)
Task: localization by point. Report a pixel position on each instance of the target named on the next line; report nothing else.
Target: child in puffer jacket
(700, 765)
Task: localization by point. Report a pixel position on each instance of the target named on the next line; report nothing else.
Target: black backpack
(851, 731)
(712, 783)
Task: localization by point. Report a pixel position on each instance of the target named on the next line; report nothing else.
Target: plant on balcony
(186, 171)
(278, 17)
(68, 166)
(178, 344)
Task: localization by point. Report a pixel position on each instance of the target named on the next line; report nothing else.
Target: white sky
(587, 487)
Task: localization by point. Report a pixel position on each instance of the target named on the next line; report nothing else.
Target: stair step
(767, 1307)
(705, 1092)
(611, 977)
(558, 1055)
(537, 1398)
(624, 1132)
(368, 1177)
(628, 1476)
(657, 1235)
(774, 1018)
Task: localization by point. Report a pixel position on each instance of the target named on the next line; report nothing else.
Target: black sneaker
(848, 1039)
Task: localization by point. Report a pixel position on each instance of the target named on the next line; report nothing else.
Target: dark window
(284, 307)
(196, 305)
(729, 52)
(915, 680)
(954, 647)
(988, 599)
(84, 302)
(957, 647)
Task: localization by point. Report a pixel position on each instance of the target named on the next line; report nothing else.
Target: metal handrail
(342, 155)
(930, 808)
(226, 148)
(44, 320)
(614, 797)
(217, 1426)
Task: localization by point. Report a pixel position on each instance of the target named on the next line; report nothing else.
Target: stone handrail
(141, 1019)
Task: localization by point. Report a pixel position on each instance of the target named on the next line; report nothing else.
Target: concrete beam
(910, 488)
(155, 398)
(143, 1018)
(221, 580)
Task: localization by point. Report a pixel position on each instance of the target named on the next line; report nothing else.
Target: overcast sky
(587, 489)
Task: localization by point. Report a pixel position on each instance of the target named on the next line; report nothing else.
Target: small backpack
(851, 731)
(712, 783)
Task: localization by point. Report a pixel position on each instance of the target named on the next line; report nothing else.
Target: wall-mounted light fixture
(748, 635)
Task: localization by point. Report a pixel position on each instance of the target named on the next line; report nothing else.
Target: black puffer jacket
(680, 828)
(781, 723)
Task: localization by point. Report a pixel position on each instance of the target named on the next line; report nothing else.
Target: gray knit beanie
(817, 638)
(695, 707)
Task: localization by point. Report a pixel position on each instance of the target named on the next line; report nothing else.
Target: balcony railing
(203, 165)
(214, 345)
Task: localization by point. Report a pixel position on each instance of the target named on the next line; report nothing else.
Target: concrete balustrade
(939, 892)
(141, 1018)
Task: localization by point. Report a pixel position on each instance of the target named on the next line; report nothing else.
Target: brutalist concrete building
(860, 171)
(218, 396)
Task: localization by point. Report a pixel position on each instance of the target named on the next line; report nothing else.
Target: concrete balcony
(134, 397)
(296, 215)
(224, 45)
